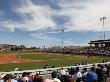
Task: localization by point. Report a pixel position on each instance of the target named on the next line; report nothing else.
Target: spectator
(7, 78)
(52, 66)
(72, 71)
(30, 77)
(78, 75)
(36, 78)
(108, 69)
(68, 79)
(14, 79)
(54, 77)
(104, 68)
(99, 74)
(91, 76)
(1, 78)
(46, 66)
(25, 77)
(62, 72)
(84, 73)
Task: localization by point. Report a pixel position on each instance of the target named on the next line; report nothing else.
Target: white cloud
(33, 17)
(85, 15)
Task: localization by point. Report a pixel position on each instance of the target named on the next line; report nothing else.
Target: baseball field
(34, 60)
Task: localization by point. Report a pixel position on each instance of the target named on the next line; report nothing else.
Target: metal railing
(49, 70)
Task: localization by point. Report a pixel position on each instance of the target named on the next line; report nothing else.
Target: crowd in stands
(98, 73)
(100, 51)
(80, 50)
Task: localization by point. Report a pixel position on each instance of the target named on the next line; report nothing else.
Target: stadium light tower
(103, 24)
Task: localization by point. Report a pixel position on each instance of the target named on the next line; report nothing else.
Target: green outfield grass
(58, 60)
(7, 52)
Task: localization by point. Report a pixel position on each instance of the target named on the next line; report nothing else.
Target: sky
(39, 22)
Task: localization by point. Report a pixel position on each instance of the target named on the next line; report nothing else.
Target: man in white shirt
(62, 72)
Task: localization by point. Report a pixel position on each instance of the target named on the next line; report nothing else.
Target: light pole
(103, 24)
(104, 36)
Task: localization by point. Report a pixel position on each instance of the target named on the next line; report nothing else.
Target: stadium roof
(99, 41)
